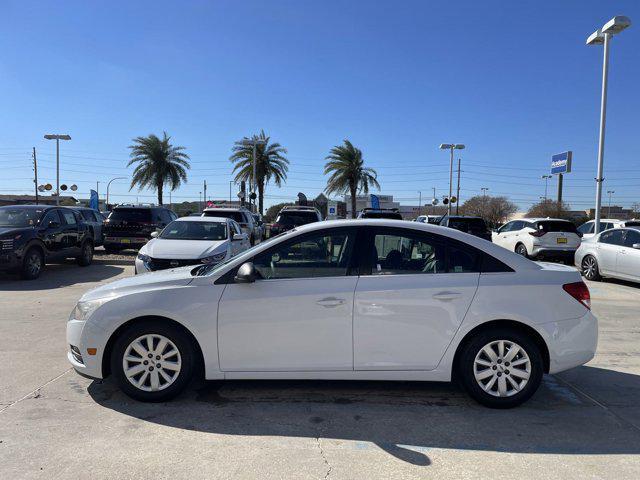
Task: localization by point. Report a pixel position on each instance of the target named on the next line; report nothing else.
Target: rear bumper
(554, 252)
(572, 342)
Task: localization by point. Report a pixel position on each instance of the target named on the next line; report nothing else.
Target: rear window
(297, 218)
(130, 215)
(468, 224)
(390, 215)
(634, 223)
(232, 214)
(556, 226)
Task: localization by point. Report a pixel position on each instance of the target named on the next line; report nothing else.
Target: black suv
(471, 225)
(32, 235)
(293, 216)
(131, 226)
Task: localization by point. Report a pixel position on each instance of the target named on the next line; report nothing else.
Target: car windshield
(19, 217)
(130, 215)
(468, 224)
(556, 226)
(232, 214)
(296, 218)
(181, 230)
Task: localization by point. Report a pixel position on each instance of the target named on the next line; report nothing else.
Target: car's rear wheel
(152, 361)
(590, 268)
(522, 250)
(86, 254)
(32, 264)
(501, 368)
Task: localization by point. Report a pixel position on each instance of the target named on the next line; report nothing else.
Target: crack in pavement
(35, 393)
(324, 457)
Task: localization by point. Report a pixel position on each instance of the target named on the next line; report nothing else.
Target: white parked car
(241, 215)
(613, 253)
(587, 228)
(539, 238)
(192, 241)
(366, 300)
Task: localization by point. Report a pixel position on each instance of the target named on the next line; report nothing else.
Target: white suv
(241, 215)
(587, 228)
(539, 238)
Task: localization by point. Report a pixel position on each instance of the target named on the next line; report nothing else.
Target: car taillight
(580, 292)
(537, 233)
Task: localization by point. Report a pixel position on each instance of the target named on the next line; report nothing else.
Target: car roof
(226, 209)
(456, 217)
(508, 257)
(541, 219)
(31, 207)
(203, 219)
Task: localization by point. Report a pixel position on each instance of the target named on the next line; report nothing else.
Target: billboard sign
(561, 163)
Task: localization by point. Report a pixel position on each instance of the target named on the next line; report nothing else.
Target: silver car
(613, 253)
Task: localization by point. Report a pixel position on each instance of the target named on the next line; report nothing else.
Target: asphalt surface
(584, 423)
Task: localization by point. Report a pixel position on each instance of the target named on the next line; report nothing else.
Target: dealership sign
(561, 163)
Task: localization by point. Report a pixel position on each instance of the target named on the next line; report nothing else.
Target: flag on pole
(93, 200)
(375, 202)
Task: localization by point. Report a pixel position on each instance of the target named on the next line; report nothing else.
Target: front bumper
(84, 336)
(10, 261)
(572, 342)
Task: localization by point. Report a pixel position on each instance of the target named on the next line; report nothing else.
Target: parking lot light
(451, 147)
(57, 138)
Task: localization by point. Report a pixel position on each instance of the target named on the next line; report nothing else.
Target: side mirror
(246, 273)
(53, 224)
(238, 237)
(636, 246)
(155, 234)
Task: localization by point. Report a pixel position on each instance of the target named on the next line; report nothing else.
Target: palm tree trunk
(260, 196)
(159, 187)
(352, 189)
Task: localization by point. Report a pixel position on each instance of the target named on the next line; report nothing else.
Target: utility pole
(199, 202)
(484, 200)
(230, 186)
(433, 199)
(458, 190)
(205, 191)
(419, 203)
(35, 174)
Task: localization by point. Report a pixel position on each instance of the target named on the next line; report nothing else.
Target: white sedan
(192, 241)
(367, 300)
(613, 253)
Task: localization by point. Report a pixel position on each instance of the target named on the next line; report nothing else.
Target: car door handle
(331, 302)
(445, 296)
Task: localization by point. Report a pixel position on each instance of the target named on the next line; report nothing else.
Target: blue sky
(514, 81)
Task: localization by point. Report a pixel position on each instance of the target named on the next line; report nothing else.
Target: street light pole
(546, 184)
(419, 203)
(603, 37)
(57, 138)
(610, 192)
(451, 147)
(108, 185)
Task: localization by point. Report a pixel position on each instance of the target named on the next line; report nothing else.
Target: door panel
(628, 258)
(609, 244)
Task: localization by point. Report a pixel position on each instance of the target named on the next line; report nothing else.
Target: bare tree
(494, 210)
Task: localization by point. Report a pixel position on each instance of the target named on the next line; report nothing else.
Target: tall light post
(57, 138)
(603, 37)
(546, 184)
(451, 147)
(108, 185)
(610, 192)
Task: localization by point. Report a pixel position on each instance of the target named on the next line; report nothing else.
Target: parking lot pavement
(584, 423)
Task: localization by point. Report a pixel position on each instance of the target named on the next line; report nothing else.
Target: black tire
(180, 339)
(252, 240)
(589, 268)
(86, 254)
(32, 264)
(522, 250)
(112, 249)
(466, 375)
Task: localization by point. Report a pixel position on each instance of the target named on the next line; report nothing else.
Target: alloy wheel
(34, 264)
(151, 362)
(502, 368)
(589, 268)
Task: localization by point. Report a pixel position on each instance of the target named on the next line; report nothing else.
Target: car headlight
(84, 309)
(218, 257)
(143, 257)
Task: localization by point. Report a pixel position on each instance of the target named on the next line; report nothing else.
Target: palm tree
(348, 173)
(159, 163)
(271, 163)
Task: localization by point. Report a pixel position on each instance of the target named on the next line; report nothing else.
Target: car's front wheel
(153, 361)
(501, 368)
(590, 268)
(86, 254)
(32, 264)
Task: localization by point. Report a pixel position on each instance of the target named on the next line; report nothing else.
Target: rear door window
(631, 237)
(68, 217)
(613, 237)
